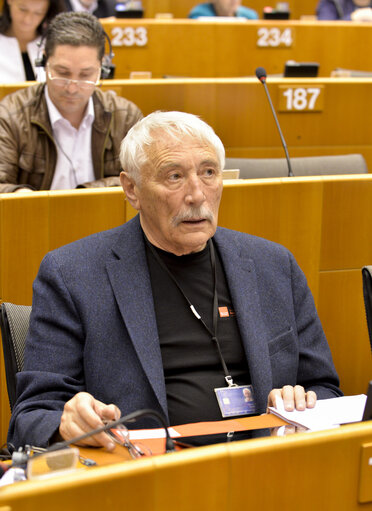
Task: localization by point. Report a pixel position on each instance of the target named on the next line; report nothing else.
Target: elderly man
(65, 133)
(168, 311)
(223, 8)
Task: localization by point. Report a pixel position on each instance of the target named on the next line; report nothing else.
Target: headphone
(107, 67)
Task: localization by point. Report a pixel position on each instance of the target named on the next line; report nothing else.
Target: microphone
(261, 75)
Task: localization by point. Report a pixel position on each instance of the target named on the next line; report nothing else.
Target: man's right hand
(83, 413)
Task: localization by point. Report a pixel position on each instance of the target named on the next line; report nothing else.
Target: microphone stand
(262, 78)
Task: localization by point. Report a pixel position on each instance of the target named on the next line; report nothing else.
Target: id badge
(236, 400)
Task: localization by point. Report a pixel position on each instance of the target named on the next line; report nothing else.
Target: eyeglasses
(120, 435)
(65, 82)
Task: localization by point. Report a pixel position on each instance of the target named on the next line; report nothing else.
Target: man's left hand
(293, 398)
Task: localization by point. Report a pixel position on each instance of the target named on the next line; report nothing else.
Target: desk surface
(157, 447)
(325, 470)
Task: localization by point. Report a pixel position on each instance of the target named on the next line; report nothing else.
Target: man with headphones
(65, 133)
(354, 10)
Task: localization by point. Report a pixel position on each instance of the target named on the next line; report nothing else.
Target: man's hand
(84, 413)
(293, 398)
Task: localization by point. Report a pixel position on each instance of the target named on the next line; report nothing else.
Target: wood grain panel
(346, 203)
(76, 215)
(238, 111)
(268, 472)
(24, 241)
(341, 310)
(189, 48)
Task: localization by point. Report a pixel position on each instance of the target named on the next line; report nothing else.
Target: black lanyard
(212, 332)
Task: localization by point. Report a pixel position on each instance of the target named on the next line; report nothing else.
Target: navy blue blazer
(93, 328)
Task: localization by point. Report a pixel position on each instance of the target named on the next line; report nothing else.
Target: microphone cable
(20, 457)
(131, 417)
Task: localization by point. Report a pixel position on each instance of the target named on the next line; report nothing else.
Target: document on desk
(327, 413)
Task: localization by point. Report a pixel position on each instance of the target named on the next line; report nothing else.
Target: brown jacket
(28, 153)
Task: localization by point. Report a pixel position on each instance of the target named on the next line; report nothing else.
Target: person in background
(99, 8)
(65, 133)
(354, 10)
(168, 311)
(22, 24)
(227, 8)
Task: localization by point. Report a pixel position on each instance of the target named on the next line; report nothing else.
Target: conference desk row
(325, 221)
(181, 8)
(320, 116)
(195, 48)
(329, 470)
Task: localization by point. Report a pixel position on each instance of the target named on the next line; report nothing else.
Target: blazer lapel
(130, 281)
(241, 277)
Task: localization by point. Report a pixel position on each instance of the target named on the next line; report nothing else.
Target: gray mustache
(192, 214)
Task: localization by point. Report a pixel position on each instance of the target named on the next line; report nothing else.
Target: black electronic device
(129, 9)
(276, 15)
(294, 69)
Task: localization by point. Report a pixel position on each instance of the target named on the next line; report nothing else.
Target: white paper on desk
(327, 413)
(143, 434)
(13, 475)
(223, 19)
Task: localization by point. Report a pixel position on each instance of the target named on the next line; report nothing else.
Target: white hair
(135, 146)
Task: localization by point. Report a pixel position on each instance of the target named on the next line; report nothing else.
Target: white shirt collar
(55, 115)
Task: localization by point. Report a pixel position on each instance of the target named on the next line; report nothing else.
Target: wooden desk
(181, 8)
(191, 48)
(326, 470)
(237, 109)
(309, 112)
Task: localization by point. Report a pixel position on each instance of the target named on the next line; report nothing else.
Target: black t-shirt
(192, 367)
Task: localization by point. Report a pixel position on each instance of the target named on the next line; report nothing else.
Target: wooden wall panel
(190, 48)
(345, 245)
(341, 310)
(74, 216)
(237, 109)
